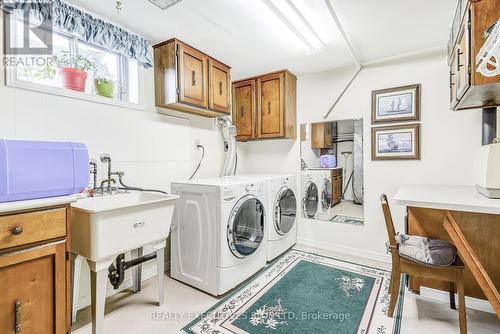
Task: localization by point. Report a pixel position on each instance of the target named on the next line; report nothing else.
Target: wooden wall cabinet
(468, 87)
(190, 81)
(322, 135)
(35, 280)
(264, 107)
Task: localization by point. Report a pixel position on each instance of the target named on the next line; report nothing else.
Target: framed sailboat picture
(397, 104)
(396, 142)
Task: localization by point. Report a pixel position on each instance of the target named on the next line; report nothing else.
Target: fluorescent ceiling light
(289, 13)
(164, 4)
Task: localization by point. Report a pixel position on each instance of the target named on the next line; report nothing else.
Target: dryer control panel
(239, 190)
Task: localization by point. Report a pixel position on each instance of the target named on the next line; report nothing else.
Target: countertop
(445, 197)
(320, 168)
(36, 203)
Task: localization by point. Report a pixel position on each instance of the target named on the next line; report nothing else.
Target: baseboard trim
(443, 296)
(84, 301)
(345, 250)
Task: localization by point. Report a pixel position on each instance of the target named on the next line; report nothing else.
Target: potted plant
(73, 70)
(104, 87)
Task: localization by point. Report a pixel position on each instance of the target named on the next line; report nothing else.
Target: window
(110, 77)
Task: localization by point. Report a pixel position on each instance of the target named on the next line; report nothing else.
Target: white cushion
(426, 250)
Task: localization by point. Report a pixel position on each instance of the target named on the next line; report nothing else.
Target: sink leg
(160, 269)
(76, 262)
(98, 284)
(137, 270)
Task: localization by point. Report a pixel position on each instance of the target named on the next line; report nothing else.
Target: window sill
(74, 94)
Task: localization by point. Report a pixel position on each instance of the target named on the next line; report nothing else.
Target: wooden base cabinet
(190, 81)
(469, 88)
(337, 182)
(35, 276)
(264, 107)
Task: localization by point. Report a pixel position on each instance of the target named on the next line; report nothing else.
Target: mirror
(332, 171)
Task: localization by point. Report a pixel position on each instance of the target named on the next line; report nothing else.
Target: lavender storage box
(40, 169)
(327, 161)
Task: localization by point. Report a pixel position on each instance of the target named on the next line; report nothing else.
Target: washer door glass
(326, 196)
(285, 211)
(246, 230)
(311, 200)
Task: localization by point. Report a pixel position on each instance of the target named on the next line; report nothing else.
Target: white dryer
(324, 181)
(310, 194)
(218, 233)
(282, 212)
(282, 225)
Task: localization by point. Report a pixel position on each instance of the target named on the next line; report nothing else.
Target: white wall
(152, 149)
(449, 139)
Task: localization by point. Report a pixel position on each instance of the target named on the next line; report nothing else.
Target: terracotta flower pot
(73, 79)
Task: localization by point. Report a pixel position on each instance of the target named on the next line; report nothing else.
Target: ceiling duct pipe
(489, 125)
(358, 65)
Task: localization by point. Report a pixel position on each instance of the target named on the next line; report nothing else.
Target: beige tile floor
(128, 313)
(349, 209)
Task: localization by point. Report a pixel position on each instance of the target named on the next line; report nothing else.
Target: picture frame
(398, 104)
(397, 142)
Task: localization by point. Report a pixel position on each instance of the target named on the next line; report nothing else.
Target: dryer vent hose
(229, 132)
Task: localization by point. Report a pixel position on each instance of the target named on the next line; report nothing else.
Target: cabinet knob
(17, 230)
(242, 111)
(268, 107)
(220, 88)
(193, 78)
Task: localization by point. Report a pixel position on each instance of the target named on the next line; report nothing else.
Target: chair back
(388, 222)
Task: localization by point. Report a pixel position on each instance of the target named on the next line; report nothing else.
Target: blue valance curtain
(87, 27)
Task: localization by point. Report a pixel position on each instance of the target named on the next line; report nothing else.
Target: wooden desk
(477, 216)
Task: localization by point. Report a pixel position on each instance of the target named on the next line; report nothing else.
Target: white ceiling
(247, 35)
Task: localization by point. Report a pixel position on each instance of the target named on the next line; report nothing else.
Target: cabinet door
(318, 135)
(244, 109)
(219, 86)
(33, 290)
(193, 79)
(337, 189)
(463, 60)
(270, 106)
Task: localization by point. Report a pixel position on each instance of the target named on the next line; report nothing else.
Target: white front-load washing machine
(282, 212)
(218, 233)
(324, 181)
(310, 194)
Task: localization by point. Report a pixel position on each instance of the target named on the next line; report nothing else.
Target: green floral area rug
(306, 293)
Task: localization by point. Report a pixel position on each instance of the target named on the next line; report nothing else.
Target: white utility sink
(108, 225)
(104, 227)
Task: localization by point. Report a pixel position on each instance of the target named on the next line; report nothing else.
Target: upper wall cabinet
(190, 81)
(471, 86)
(264, 107)
(322, 135)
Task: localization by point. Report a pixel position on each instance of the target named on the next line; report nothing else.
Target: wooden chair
(403, 265)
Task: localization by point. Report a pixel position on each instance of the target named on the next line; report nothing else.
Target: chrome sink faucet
(106, 158)
(109, 181)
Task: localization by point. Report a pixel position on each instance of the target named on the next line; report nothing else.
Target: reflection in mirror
(332, 171)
